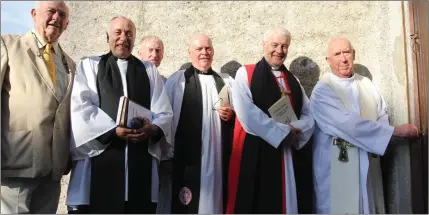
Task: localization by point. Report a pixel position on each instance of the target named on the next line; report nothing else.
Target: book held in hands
(128, 109)
(282, 111)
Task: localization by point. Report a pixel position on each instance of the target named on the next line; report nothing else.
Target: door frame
(418, 93)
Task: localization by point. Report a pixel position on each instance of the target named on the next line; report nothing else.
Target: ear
(66, 25)
(33, 14)
(328, 60)
(354, 54)
(107, 37)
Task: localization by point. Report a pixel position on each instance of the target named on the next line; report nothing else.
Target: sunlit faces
(122, 34)
(201, 52)
(340, 57)
(276, 48)
(50, 19)
(152, 50)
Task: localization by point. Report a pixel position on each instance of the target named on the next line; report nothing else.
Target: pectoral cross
(343, 146)
(285, 92)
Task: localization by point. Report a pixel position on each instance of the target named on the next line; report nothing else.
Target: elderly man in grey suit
(36, 81)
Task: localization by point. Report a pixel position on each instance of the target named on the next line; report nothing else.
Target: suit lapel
(36, 58)
(70, 67)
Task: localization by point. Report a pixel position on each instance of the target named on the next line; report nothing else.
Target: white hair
(151, 37)
(277, 31)
(37, 4)
(117, 17)
(198, 34)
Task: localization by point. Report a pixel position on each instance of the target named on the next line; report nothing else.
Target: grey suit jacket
(35, 126)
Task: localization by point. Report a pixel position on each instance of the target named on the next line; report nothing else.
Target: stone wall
(236, 27)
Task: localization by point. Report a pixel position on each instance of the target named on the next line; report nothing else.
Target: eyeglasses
(217, 104)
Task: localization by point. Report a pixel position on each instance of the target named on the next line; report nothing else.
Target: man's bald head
(340, 57)
(201, 51)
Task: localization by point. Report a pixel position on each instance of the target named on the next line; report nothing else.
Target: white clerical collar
(122, 60)
(277, 73)
(336, 78)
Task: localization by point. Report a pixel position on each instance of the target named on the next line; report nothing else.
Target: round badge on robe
(185, 195)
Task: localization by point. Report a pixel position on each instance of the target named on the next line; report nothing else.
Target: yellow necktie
(49, 59)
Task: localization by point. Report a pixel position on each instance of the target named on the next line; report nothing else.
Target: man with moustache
(36, 81)
(201, 133)
(261, 169)
(352, 132)
(151, 49)
(114, 166)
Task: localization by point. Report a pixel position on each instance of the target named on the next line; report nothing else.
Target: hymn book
(224, 96)
(282, 111)
(129, 109)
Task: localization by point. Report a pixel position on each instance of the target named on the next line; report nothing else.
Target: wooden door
(419, 149)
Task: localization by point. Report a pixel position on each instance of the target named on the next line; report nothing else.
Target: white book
(282, 111)
(128, 109)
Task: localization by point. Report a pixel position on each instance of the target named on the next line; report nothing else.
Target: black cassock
(107, 189)
(187, 145)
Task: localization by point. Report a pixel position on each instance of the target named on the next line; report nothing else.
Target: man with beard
(36, 82)
(201, 133)
(263, 159)
(115, 167)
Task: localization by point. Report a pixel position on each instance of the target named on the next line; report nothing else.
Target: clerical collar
(208, 72)
(122, 59)
(273, 68)
(351, 78)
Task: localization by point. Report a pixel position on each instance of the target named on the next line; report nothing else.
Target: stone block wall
(374, 27)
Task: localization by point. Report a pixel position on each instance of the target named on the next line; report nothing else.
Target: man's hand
(148, 128)
(141, 134)
(297, 130)
(406, 130)
(292, 137)
(225, 113)
(125, 133)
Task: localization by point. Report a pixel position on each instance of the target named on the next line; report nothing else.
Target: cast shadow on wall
(307, 72)
(230, 68)
(362, 70)
(185, 65)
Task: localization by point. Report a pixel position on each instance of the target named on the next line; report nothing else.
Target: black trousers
(84, 209)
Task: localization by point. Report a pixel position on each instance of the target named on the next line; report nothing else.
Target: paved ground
(62, 209)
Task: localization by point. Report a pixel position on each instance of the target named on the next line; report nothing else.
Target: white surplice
(254, 121)
(211, 151)
(89, 122)
(335, 120)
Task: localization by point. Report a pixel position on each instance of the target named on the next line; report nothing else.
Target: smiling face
(201, 52)
(122, 34)
(50, 19)
(276, 47)
(340, 57)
